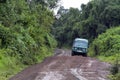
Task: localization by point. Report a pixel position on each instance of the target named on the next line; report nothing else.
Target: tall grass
(8, 65)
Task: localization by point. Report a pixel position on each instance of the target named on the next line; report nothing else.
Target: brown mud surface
(63, 66)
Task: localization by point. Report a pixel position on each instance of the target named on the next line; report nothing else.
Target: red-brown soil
(63, 66)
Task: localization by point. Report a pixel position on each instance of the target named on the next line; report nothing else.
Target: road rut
(63, 66)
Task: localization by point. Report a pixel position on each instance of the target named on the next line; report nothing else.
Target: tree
(64, 27)
(48, 3)
(93, 19)
(26, 30)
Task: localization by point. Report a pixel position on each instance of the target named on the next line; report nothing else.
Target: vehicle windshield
(80, 43)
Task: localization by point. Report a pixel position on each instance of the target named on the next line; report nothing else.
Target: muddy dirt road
(63, 66)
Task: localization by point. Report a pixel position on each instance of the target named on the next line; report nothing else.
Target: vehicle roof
(81, 39)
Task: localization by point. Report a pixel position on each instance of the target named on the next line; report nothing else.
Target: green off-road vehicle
(80, 47)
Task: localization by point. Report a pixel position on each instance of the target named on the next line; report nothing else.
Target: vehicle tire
(85, 55)
(73, 53)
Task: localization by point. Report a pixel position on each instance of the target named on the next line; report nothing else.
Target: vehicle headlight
(74, 48)
(84, 50)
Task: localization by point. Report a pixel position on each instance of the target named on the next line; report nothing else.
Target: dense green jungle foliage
(107, 44)
(93, 19)
(25, 36)
(26, 27)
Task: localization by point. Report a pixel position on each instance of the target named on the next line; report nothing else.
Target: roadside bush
(8, 65)
(107, 44)
(115, 77)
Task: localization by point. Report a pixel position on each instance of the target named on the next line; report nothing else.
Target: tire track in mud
(63, 66)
